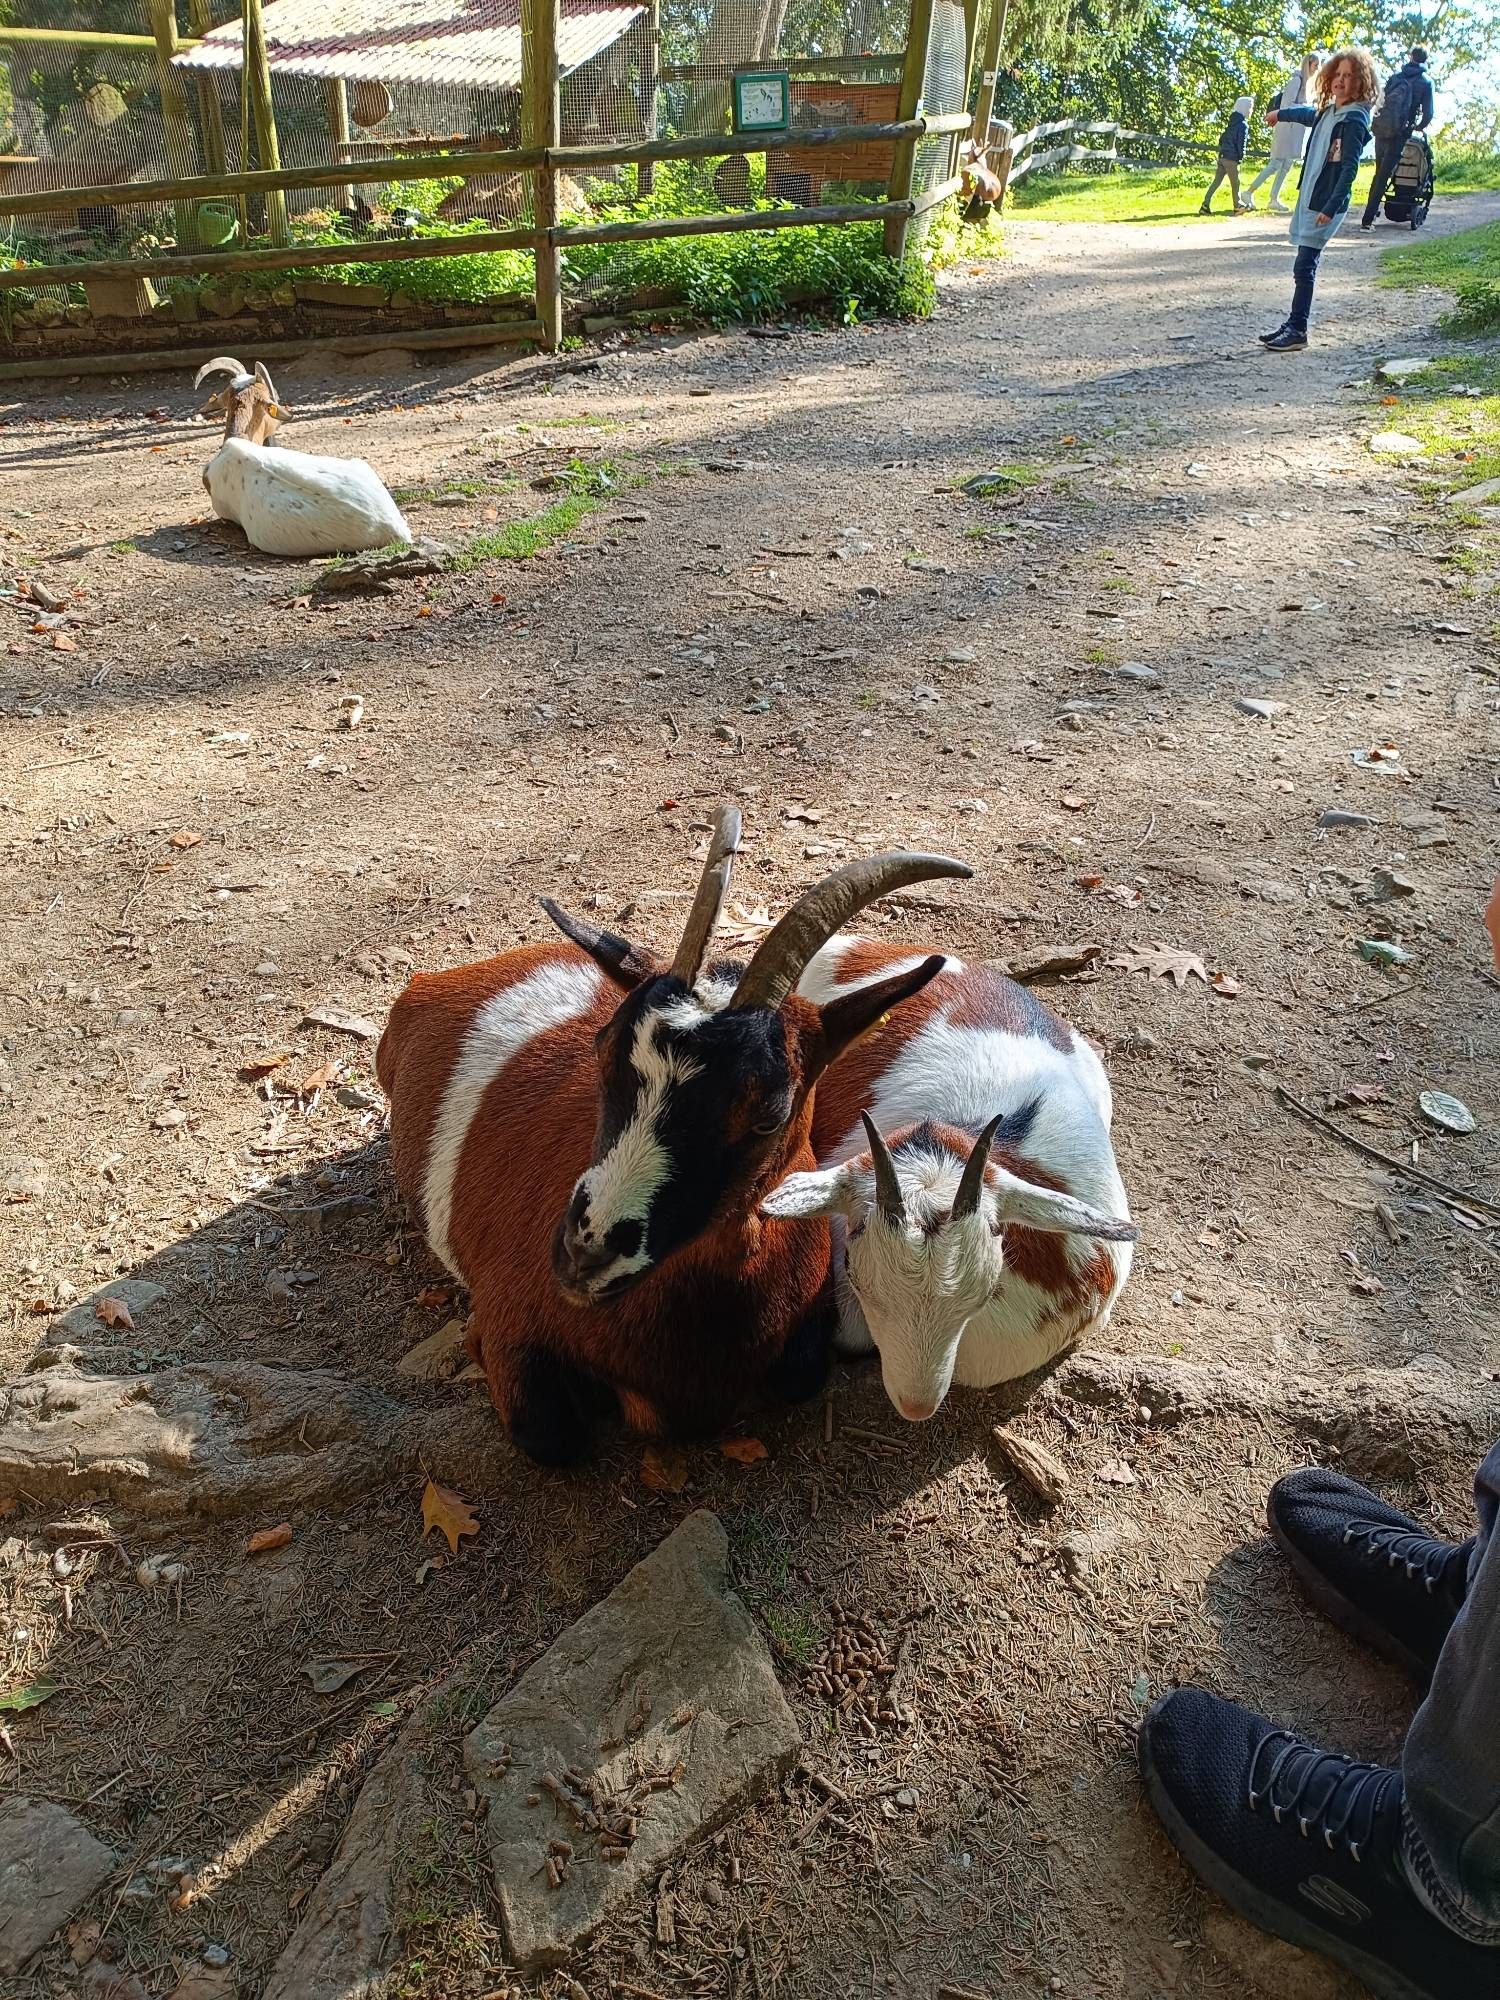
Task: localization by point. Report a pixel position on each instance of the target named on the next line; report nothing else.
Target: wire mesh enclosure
(535, 145)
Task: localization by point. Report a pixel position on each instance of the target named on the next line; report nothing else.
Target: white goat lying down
(289, 503)
(957, 1267)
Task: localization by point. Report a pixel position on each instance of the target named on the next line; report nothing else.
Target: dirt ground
(792, 605)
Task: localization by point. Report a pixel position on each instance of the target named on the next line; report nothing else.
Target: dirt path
(793, 607)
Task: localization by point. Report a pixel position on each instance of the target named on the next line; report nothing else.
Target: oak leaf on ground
(744, 1451)
(114, 1312)
(664, 1468)
(445, 1509)
(1163, 961)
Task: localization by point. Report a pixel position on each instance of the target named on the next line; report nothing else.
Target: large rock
(212, 1440)
(659, 1710)
(50, 1864)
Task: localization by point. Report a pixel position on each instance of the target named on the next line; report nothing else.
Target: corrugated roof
(461, 43)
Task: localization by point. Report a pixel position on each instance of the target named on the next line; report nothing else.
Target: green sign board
(762, 100)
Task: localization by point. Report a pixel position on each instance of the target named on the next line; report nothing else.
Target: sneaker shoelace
(1419, 1555)
(1327, 1794)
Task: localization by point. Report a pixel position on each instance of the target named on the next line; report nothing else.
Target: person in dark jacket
(1232, 143)
(1344, 94)
(1405, 107)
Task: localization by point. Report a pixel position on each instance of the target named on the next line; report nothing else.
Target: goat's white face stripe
(551, 995)
(622, 1186)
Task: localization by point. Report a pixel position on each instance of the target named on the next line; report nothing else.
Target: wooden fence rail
(1030, 155)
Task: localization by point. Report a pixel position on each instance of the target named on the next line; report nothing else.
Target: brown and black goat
(588, 1134)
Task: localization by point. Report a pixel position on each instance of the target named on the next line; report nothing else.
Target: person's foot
(1205, 210)
(1245, 205)
(1288, 341)
(1265, 339)
(1369, 1567)
(1303, 1843)
(1365, 228)
(1280, 208)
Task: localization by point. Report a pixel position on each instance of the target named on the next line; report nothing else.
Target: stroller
(1410, 194)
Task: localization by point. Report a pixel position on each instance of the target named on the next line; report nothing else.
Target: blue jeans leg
(1304, 276)
(1451, 1760)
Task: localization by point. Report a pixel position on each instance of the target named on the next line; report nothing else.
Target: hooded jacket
(1340, 136)
(1419, 97)
(1236, 134)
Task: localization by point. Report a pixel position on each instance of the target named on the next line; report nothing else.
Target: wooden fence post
(210, 111)
(541, 126)
(338, 125)
(994, 36)
(903, 166)
(176, 121)
(255, 76)
(651, 86)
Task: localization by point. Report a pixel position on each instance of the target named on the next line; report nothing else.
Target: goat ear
(626, 964)
(799, 1196)
(1058, 1214)
(851, 1015)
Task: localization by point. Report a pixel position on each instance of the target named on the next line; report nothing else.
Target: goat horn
(888, 1198)
(971, 1187)
(263, 376)
(708, 904)
(222, 365)
(783, 953)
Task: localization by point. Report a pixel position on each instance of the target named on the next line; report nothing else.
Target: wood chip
(1045, 1475)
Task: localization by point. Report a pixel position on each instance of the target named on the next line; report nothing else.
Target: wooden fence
(1030, 153)
(540, 155)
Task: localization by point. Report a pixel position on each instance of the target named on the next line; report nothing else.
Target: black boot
(1369, 1567)
(1304, 1844)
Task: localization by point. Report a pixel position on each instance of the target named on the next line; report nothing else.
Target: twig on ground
(1473, 1203)
(1395, 993)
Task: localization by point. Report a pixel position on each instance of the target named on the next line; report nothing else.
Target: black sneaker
(1288, 341)
(1304, 1844)
(1265, 339)
(1370, 1567)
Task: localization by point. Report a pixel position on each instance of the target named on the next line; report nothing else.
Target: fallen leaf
(266, 1539)
(744, 1451)
(1126, 893)
(114, 1312)
(1091, 882)
(1163, 962)
(328, 1676)
(445, 1509)
(327, 1014)
(1366, 1282)
(664, 1468)
(8, 1507)
(434, 1297)
(184, 840)
(319, 1079)
(61, 643)
(259, 1066)
(1115, 1472)
(1073, 802)
(1225, 985)
(16, 1700)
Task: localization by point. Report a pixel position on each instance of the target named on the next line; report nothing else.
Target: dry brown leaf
(114, 1312)
(445, 1509)
(61, 643)
(1162, 961)
(265, 1539)
(744, 1451)
(8, 1507)
(184, 840)
(1126, 893)
(1115, 1472)
(664, 1468)
(259, 1066)
(1225, 985)
(1073, 802)
(434, 1297)
(319, 1079)
(1091, 882)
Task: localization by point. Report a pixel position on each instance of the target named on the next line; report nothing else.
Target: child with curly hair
(1345, 93)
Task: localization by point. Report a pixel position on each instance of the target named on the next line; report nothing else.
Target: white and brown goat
(588, 1134)
(988, 1229)
(289, 503)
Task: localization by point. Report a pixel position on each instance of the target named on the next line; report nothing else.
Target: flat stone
(667, 1678)
(82, 1322)
(50, 1864)
(1403, 370)
(1396, 443)
(1263, 711)
(1475, 496)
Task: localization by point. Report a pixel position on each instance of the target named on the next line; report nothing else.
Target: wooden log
(86, 38)
(903, 167)
(541, 128)
(936, 196)
(490, 334)
(294, 257)
(419, 166)
(176, 122)
(257, 76)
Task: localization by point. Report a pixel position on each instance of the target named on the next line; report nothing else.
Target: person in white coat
(1288, 141)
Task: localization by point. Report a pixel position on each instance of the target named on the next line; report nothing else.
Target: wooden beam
(903, 165)
(176, 122)
(989, 74)
(541, 127)
(293, 257)
(256, 75)
(210, 111)
(490, 334)
(85, 38)
(651, 79)
(338, 122)
(729, 225)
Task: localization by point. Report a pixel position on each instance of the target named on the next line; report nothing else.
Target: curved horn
(708, 904)
(223, 364)
(888, 1198)
(783, 953)
(971, 1187)
(263, 376)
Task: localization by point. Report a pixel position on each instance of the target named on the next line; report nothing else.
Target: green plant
(587, 485)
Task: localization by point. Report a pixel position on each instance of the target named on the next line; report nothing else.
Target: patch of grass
(1143, 194)
(1099, 656)
(1468, 265)
(998, 480)
(1461, 432)
(1119, 583)
(122, 548)
(471, 489)
(587, 487)
(761, 1562)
